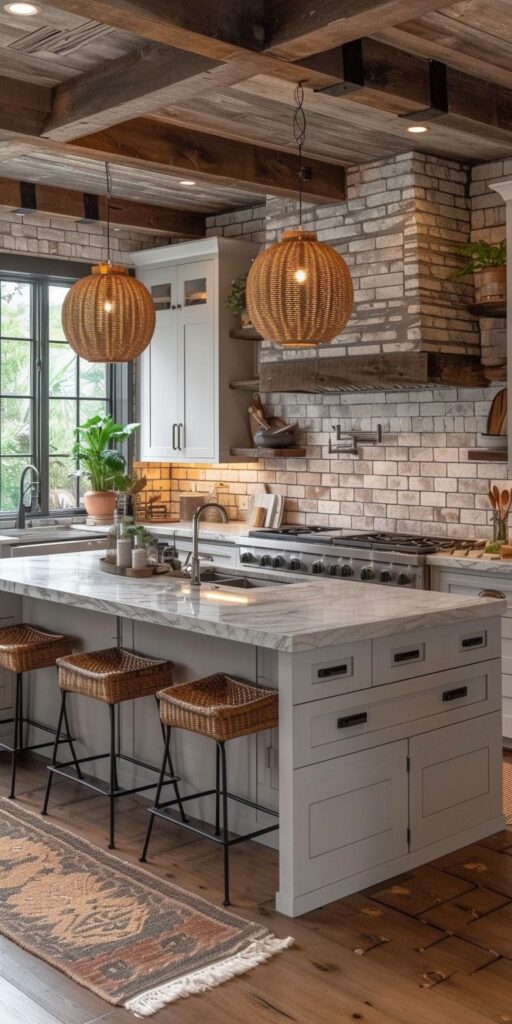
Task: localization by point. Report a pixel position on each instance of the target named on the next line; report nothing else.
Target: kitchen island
(389, 745)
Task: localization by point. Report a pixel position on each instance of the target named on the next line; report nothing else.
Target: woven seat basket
(24, 648)
(219, 707)
(113, 675)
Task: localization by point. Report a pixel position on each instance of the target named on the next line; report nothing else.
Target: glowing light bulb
(107, 306)
(300, 276)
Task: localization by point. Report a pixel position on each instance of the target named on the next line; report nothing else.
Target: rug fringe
(257, 952)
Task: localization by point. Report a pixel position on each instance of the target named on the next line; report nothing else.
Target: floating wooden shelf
(245, 333)
(269, 453)
(496, 372)
(493, 309)
(245, 385)
(487, 455)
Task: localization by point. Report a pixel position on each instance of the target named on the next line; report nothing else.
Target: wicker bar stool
(25, 648)
(113, 675)
(222, 709)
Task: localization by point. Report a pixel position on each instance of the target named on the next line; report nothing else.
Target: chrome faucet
(195, 563)
(31, 488)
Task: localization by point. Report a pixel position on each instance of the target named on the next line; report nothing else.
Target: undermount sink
(44, 534)
(221, 579)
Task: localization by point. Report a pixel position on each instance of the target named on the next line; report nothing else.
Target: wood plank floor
(431, 947)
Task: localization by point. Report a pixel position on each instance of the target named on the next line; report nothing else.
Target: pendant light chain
(109, 194)
(299, 131)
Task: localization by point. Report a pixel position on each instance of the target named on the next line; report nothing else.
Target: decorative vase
(491, 284)
(245, 319)
(100, 503)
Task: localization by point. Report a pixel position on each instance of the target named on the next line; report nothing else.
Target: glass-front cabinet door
(159, 368)
(197, 355)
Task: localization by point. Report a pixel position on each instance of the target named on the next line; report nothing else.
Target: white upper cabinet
(188, 411)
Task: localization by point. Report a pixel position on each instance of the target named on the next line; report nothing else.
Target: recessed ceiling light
(21, 8)
(187, 181)
(417, 129)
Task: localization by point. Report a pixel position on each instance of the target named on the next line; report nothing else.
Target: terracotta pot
(100, 503)
(491, 284)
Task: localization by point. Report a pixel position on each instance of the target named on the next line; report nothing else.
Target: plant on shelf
(488, 262)
(102, 462)
(236, 300)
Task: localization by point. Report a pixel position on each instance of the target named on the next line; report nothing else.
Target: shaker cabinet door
(455, 779)
(350, 814)
(197, 359)
(159, 370)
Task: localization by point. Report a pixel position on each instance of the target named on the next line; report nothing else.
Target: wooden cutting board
(497, 419)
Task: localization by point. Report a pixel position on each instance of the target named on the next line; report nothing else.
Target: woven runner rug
(133, 939)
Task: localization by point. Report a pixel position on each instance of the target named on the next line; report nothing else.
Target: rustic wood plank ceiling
(154, 88)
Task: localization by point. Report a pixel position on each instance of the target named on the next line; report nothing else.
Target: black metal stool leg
(17, 735)
(166, 758)
(217, 790)
(70, 742)
(62, 712)
(225, 835)
(175, 784)
(113, 776)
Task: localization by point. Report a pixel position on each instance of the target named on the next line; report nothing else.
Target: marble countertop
(486, 563)
(293, 617)
(227, 532)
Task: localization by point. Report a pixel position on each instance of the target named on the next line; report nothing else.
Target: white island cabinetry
(188, 411)
(389, 742)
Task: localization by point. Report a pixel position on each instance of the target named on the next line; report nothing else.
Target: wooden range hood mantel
(382, 372)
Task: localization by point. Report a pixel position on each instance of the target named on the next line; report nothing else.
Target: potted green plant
(105, 466)
(488, 262)
(236, 299)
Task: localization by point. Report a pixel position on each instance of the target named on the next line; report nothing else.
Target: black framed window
(46, 391)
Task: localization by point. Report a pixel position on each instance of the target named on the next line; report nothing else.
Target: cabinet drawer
(349, 815)
(326, 729)
(432, 650)
(347, 668)
(455, 779)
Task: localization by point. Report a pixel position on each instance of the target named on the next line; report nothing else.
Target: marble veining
(488, 564)
(297, 617)
(227, 532)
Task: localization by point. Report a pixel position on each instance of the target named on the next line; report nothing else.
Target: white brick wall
(419, 480)
(35, 234)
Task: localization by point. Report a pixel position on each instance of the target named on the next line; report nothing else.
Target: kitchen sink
(221, 579)
(46, 534)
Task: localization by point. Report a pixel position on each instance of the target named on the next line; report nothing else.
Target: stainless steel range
(394, 559)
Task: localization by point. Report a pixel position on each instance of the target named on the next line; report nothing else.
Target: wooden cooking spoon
(492, 499)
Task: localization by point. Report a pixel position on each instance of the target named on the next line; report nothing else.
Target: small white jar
(124, 552)
(139, 558)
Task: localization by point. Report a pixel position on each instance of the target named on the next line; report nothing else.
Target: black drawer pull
(492, 593)
(460, 691)
(344, 723)
(333, 670)
(406, 656)
(473, 641)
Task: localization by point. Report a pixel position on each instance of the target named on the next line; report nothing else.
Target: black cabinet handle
(344, 723)
(460, 691)
(473, 641)
(492, 593)
(406, 656)
(174, 446)
(333, 670)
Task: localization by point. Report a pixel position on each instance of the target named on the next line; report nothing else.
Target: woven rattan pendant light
(108, 317)
(299, 291)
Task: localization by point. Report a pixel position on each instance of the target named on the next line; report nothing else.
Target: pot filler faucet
(195, 563)
(30, 488)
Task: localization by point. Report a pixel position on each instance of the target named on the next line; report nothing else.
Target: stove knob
(367, 573)
(386, 576)
(278, 562)
(333, 569)
(317, 568)
(266, 561)
(247, 557)
(403, 579)
(345, 571)
(295, 564)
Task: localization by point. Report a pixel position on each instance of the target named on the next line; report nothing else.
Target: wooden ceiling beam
(149, 77)
(386, 78)
(143, 142)
(63, 202)
(299, 28)
(23, 105)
